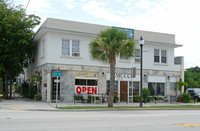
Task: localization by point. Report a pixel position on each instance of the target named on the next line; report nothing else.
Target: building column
(49, 90)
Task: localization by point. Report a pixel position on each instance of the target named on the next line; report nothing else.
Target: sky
(179, 17)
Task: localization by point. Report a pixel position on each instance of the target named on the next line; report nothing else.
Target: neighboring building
(64, 44)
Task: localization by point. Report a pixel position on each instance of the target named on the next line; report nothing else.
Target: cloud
(70, 4)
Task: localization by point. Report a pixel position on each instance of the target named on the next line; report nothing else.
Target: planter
(180, 99)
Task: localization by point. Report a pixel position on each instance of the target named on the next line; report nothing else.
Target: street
(144, 120)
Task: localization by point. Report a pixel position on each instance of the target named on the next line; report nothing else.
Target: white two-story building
(65, 45)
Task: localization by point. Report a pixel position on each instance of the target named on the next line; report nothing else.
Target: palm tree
(109, 44)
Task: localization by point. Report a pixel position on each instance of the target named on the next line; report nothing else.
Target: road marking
(187, 125)
(16, 108)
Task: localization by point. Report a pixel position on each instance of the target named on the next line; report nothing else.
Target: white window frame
(160, 56)
(43, 49)
(71, 52)
(137, 55)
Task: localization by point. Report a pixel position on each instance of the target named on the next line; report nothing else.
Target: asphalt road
(155, 120)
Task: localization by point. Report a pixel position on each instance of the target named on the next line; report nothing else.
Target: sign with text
(86, 74)
(86, 89)
(55, 73)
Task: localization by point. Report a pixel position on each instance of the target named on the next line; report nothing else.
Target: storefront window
(135, 88)
(156, 89)
(108, 87)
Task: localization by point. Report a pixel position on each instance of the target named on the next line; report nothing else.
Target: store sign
(86, 89)
(120, 75)
(86, 75)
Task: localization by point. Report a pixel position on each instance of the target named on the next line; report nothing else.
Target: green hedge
(186, 97)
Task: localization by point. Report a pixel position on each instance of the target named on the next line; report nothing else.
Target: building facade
(65, 45)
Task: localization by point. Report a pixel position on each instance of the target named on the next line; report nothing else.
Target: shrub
(136, 98)
(32, 90)
(146, 95)
(186, 97)
(38, 97)
(1, 92)
(25, 87)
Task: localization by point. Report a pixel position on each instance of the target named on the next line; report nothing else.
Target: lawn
(132, 107)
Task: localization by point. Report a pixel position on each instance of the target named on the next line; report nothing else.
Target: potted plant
(38, 97)
(180, 98)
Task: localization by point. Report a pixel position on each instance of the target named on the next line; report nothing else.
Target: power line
(27, 4)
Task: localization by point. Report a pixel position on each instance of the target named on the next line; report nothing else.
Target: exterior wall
(48, 58)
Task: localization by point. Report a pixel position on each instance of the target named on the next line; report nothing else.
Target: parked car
(194, 93)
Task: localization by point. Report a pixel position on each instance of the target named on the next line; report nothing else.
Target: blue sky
(179, 17)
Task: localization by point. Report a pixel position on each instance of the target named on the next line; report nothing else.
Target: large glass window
(135, 88)
(108, 87)
(156, 89)
(65, 47)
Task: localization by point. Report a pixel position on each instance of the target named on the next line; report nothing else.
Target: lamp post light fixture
(141, 42)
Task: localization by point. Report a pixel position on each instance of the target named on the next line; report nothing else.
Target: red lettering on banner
(84, 89)
(94, 90)
(78, 90)
(89, 90)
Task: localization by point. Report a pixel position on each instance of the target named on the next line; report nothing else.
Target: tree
(179, 86)
(106, 47)
(192, 77)
(16, 40)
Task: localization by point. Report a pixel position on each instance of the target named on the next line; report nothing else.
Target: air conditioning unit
(75, 54)
(137, 59)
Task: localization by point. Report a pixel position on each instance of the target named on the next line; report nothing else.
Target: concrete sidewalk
(21, 103)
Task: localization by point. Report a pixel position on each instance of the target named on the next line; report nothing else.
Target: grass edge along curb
(131, 107)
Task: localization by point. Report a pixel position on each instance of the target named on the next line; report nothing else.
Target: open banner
(86, 89)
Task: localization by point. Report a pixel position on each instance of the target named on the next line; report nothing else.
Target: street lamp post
(141, 42)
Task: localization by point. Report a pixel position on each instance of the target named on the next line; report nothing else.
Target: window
(108, 87)
(156, 89)
(85, 82)
(65, 48)
(75, 48)
(137, 55)
(160, 56)
(70, 47)
(163, 56)
(43, 49)
(136, 88)
(156, 55)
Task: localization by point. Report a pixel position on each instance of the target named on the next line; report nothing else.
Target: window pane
(75, 46)
(156, 59)
(80, 82)
(160, 89)
(137, 53)
(163, 56)
(156, 55)
(136, 88)
(65, 47)
(91, 82)
(108, 87)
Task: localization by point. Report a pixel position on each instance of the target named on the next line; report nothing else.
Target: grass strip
(130, 107)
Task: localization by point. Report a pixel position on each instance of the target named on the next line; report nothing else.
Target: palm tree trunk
(112, 80)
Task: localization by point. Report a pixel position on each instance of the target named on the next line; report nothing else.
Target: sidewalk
(21, 103)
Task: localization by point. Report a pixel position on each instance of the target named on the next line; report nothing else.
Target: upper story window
(65, 47)
(137, 55)
(70, 47)
(75, 48)
(43, 49)
(160, 56)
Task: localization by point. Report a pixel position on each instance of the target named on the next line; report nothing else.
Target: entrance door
(54, 88)
(123, 90)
